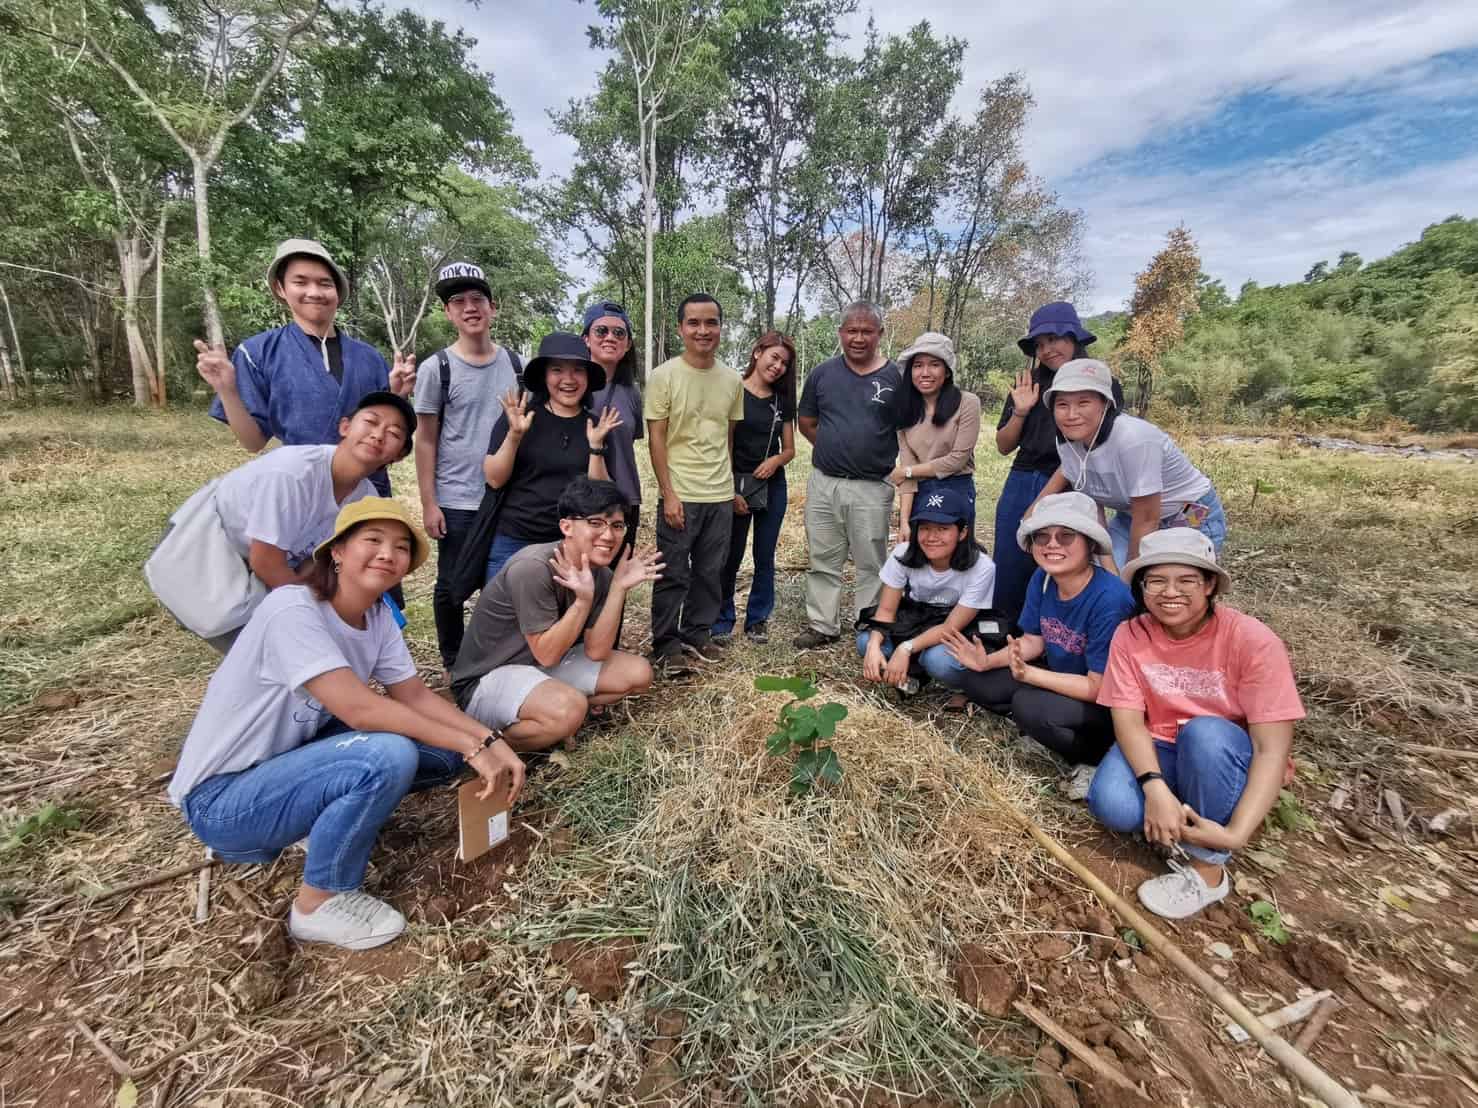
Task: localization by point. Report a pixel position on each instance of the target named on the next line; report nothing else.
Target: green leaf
(827, 718)
(128, 1095)
(1131, 938)
(830, 770)
(799, 687)
(1269, 921)
(778, 743)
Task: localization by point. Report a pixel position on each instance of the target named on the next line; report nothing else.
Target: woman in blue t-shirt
(1073, 607)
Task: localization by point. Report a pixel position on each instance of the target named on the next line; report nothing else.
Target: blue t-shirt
(285, 382)
(1077, 632)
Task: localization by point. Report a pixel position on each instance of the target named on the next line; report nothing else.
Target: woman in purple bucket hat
(1054, 337)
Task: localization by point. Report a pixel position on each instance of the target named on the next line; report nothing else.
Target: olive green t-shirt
(699, 405)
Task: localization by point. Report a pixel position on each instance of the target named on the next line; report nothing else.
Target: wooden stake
(1076, 1046)
(120, 1067)
(1316, 1024)
(202, 890)
(1279, 1049)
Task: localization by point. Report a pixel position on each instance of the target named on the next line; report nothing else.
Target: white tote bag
(198, 575)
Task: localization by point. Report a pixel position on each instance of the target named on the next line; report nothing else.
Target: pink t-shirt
(1234, 667)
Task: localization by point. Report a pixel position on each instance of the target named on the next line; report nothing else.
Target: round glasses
(600, 331)
(600, 525)
(1062, 536)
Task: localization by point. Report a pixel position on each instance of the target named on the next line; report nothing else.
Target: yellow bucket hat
(378, 507)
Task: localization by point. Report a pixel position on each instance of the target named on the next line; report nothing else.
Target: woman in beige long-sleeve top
(938, 427)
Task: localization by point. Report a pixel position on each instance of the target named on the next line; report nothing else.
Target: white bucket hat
(1083, 375)
(930, 342)
(1178, 546)
(1065, 509)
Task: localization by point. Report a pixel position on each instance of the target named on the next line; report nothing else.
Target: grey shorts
(501, 693)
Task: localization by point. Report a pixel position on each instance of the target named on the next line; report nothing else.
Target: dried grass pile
(806, 941)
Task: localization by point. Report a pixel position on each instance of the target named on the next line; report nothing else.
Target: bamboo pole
(1279, 1049)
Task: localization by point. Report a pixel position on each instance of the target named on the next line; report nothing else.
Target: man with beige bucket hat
(296, 382)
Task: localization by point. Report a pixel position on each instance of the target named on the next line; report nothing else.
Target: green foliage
(805, 730)
(1269, 921)
(1288, 814)
(48, 821)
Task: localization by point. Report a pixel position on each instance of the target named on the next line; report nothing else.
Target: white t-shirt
(974, 587)
(285, 498)
(1139, 459)
(255, 706)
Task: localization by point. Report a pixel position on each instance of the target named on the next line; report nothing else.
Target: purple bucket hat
(1056, 318)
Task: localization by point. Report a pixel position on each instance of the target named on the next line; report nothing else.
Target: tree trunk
(649, 186)
(15, 341)
(161, 394)
(140, 359)
(7, 375)
(215, 331)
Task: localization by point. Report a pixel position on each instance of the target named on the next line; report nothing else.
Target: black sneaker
(672, 666)
(708, 651)
(811, 639)
(760, 632)
(723, 639)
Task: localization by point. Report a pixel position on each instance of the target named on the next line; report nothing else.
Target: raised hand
(637, 567)
(574, 575)
(516, 407)
(1024, 394)
(215, 368)
(597, 430)
(970, 653)
(403, 374)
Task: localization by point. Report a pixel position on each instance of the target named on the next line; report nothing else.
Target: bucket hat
(1065, 509)
(378, 507)
(1083, 375)
(459, 277)
(288, 249)
(939, 504)
(1056, 318)
(930, 342)
(1178, 546)
(561, 346)
(382, 398)
(602, 308)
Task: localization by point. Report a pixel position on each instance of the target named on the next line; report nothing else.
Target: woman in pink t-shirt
(1203, 702)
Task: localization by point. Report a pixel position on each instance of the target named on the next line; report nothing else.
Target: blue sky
(1278, 132)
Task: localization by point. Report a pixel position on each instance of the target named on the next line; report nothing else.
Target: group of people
(1099, 635)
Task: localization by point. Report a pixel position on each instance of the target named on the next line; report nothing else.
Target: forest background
(151, 157)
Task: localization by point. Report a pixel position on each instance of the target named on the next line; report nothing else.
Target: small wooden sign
(481, 824)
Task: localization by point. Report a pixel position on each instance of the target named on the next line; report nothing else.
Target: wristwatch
(1145, 778)
(598, 451)
(908, 473)
(906, 646)
(491, 739)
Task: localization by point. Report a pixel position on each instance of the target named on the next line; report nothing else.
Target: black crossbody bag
(756, 490)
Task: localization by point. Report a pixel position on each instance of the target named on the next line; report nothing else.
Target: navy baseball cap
(935, 503)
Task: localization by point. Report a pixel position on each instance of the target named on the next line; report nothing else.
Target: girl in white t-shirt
(291, 741)
(1125, 463)
(940, 566)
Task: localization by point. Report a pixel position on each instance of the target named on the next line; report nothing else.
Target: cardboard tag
(481, 824)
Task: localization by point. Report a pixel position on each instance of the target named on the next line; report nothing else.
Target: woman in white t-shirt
(1125, 463)
(937, 581)
(291, 741)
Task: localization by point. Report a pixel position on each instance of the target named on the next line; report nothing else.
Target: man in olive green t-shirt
(692, 405)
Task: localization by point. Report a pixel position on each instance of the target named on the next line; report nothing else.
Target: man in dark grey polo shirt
(847, 410)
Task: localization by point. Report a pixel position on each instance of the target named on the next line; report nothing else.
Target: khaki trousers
(844, 517)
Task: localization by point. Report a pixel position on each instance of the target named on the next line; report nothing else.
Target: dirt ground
(1363, 564)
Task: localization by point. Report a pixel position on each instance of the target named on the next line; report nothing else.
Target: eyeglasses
(468, 300)
(1158, 586)
(600, 331)
(1062, 536)
(600, 525)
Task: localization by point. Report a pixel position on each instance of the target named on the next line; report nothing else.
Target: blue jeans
(761, 603)
(338, 790)
(503, 548)
(936, 661)
(1213, 526)
(1206, 767)
(1014, 566)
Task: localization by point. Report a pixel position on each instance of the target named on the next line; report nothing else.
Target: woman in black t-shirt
(1055, 335)
(764, 442)
(544, 439)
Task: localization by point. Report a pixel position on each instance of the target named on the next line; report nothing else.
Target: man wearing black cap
(457, 394)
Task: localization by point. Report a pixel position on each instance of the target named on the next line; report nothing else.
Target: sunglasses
(1062, 536)
(600, 331)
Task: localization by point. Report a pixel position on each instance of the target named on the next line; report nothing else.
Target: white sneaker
(1076, 787)
(353, 920)
(1182, 892)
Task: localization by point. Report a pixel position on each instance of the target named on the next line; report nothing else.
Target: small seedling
(1131, 938)
(47, 820)
(1289, 814)
(1269, 921)
(805, 729)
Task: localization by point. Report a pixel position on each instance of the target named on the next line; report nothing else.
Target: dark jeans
(1014, 566)
(685, 601)
(1081, 732)
(761, 602)
(449, 625)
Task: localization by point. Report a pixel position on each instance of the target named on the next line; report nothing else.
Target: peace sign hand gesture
(403, 374)
(215, 368)
(1024, 394)
(516, 408)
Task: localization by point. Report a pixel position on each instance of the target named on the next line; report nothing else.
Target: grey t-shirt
(521, 600)
(256, 707)
(857, 437)
(284, 498)
(621, 443)
(471, 410)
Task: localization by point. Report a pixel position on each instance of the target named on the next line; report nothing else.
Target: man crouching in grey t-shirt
(540, 647)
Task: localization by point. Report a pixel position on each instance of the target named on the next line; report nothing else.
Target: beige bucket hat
(1083, 375)
(1065, 509)
(934, 343)
(304, 248)
(1177, 546)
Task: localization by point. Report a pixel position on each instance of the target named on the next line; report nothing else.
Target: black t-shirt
(1037, 449)
(759, 434)
(554, 451)
(857, 429)
(335, 357)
